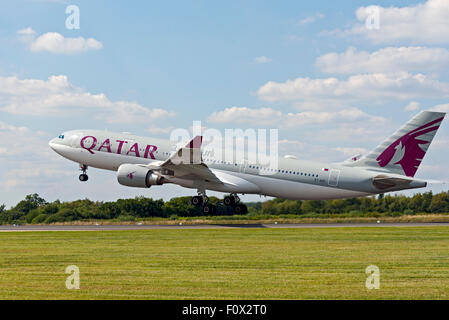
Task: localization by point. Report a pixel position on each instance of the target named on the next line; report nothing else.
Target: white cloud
(397, 86)
(349, 151)
(4, 127)
(355, 134)
(386, 60)
(441, 142)
(441, 108)
(262, 59)
(54, 42)
(26, 31)
(156, 130)
(412, 106)
(26, 35)
(287, 144)
(307, 20)
(343, 116)
(58, 97)
(27, 158)
(18, 141)
(262, 116)
(424, 23)
(311, 19)
(272, 117)
(30, 172)
(292, 147)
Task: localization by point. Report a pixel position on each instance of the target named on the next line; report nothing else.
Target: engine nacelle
(131, 175)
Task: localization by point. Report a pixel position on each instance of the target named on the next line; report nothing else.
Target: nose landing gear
(83, 177)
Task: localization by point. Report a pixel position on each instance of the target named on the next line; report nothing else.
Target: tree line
(35, 210)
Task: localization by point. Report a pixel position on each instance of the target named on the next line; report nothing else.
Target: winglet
(195, 143)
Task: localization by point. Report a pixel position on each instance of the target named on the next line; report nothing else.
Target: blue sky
(312, 69)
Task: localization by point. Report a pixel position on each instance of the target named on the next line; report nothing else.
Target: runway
(10, 228)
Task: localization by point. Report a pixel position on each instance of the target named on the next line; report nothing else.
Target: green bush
(126, 218)
(39, 219)
(34, 209)
(31, 215)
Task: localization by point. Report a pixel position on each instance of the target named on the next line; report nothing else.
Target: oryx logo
(131, 175)
(406, 151)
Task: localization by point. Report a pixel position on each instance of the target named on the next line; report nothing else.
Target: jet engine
(132, 175)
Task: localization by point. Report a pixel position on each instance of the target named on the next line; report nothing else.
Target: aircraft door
(334, 175)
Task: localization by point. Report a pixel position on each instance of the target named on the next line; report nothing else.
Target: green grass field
(315, 263)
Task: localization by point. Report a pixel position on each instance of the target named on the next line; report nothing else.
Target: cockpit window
(61, 136)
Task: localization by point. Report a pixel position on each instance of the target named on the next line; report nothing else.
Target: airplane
(144, 162)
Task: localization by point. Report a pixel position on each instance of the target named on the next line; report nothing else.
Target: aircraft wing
(187, 163)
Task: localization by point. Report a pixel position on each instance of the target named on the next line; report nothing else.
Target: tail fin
(403, 152)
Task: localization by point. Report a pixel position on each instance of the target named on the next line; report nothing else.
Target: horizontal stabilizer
(383, 182)
(353, 158)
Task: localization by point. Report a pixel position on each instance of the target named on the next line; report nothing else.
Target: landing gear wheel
(229, 201)
(83, 177)
(209, 209)
(240, 209)
(197, 201)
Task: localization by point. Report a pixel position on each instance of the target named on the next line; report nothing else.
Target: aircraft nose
(53, 144)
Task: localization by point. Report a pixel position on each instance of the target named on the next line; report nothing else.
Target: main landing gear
(83, 177)
(232, 201)
(202, 200)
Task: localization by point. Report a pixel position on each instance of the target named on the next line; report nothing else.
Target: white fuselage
(292, 179)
